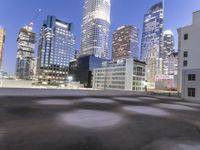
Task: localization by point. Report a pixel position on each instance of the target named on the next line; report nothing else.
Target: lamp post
(70, 79)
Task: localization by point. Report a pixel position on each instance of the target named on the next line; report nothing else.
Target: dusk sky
(16, 13)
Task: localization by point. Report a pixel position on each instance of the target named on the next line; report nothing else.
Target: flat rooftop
(78, 122)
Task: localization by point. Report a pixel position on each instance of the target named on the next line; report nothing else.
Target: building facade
(189, 66)
(82, 68)
(172, 64)
(167, 51)
(95, 28)
(125, 43)
(2, 42)
(55, 51)
(126, 74)
(152, 41)
(25, 53)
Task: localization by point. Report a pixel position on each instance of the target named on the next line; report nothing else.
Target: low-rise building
(189, 64)
(126, 74)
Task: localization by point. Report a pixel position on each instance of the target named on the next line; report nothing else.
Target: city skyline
(65, 11)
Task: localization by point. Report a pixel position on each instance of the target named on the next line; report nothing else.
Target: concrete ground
(98, 123)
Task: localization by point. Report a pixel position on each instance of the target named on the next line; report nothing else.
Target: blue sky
(14, 14)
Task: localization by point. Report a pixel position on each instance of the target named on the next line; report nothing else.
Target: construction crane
(31, 24)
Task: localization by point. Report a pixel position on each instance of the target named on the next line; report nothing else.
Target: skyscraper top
(156, 6)
(95, 28)
(168, 32)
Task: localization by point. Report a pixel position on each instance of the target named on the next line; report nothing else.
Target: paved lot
(98, 123)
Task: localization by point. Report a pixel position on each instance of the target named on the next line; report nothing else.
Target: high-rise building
(25, 53)
(95, 28)
(125, 43)
(152, 40)
(55, 51)
(168, 49)
(173, 63)
(2, 42)
(82, 69)
(189, 53)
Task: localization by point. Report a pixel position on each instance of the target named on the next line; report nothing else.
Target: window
(185, 54)
(185, 63)
(191, 77)
(185, 36)
(191, 92)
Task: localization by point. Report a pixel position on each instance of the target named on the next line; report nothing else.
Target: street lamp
(70, 79)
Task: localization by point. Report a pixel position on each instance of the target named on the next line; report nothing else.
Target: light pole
(70, 79)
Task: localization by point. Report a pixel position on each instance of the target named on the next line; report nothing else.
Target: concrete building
(152, 42)
(125, 43)
(95, 28)
(81, 69)
(25, 53)
(189, 63)
(126, 74)
(55, 51)
(2, 42)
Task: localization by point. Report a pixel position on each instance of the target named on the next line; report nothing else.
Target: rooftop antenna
(31, 24)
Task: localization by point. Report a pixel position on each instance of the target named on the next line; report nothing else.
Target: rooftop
(77, 122)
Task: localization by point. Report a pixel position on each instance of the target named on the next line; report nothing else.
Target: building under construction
(25, 53)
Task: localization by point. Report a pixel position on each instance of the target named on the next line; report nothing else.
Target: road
(98, 123)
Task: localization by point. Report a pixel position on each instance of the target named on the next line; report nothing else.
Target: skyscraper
(168, 49)
(95, 28)
(25, 53)
(56, 49)
(2, 42)
(152, 39)
(125, 43)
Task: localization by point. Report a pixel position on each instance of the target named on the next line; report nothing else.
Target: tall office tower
(95, 28)
(2, 42)
(25, 53)
(56, 49)
(168, 49)
(125, 43)
(152, 38)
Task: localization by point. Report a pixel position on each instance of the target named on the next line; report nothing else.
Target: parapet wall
(61, 92)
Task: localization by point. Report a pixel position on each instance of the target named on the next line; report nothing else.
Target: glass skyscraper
(152, 40)
(56, 49)
(25, 53)
(95, 28)
(168, 49)
(2, 41)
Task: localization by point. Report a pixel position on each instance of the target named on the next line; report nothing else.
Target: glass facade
(56, 50)
(25, 54)
(81, 69)
(95, 28)
(125, 43)
(167, 51)
(2, 41)
(152, 40)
